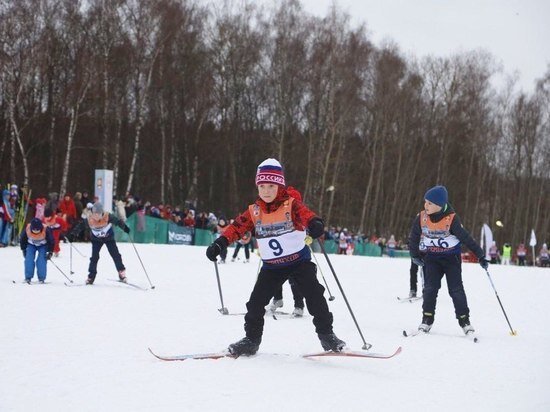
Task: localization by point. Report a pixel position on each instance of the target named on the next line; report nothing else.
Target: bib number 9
(276, 247)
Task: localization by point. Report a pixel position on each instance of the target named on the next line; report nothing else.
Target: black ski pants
(269, 280)
(434, 269)
(414, 276)
(246, 250)
(97, 244)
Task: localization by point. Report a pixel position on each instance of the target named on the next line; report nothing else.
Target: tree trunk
(335, 175)
(51, 144)
(16, 136)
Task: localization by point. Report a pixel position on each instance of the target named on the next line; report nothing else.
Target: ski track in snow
(85, 348)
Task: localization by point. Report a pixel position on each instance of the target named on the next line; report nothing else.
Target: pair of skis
(412, 333)
(225, 354)
(24, 282)
(132, 285)
(409, 299)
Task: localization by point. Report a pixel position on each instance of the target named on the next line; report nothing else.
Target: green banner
(180, 235)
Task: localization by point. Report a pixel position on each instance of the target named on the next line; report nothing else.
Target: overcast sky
(516, 33)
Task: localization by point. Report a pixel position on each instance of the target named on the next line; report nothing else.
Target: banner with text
(180, 235)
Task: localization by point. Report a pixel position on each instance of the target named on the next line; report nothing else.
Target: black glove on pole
(418, 261)
(484, 263)
(316, 227)
(216, 248)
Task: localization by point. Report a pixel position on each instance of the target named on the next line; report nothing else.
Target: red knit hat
(270, 171)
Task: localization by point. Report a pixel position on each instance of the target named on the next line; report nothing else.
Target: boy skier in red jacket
(279, 222)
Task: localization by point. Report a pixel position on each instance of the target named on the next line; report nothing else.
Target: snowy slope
(85, 348)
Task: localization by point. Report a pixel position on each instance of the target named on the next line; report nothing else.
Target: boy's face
(267, 192)
(96, 215)
(430, 207)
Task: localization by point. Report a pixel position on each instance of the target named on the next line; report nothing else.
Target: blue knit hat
(97, 208)
(36, 225)
(437, 195)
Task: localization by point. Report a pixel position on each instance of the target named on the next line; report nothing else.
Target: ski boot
(298, 312)
(90, 280)
(28, 281)
(246, 346)
(275, 304)
(330, 342)
(427, 322)
(464, 322)
(412, 294)
(122, 276)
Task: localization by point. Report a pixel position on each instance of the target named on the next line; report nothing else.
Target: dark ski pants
(414, 276)
(269, 280)
(246, 250)
(97, 244)
(296, 294)
(434, 269)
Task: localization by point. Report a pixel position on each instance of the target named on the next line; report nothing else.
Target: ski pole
(75, 248)
(134, 246)
(512, 331)
(331, 296)
(223, 309)
(57, 267)
(366, 346)
(259, 265)
(71, 261)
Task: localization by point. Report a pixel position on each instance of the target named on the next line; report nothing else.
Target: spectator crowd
(63, 213)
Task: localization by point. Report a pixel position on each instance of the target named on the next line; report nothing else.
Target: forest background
(183, 101)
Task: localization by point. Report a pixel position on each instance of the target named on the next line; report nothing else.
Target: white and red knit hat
(270, 171)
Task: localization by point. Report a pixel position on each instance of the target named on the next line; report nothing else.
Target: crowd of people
(61, 214)
(506, 256)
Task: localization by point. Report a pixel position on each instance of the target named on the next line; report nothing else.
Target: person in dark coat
(438, 233)
(100, 225)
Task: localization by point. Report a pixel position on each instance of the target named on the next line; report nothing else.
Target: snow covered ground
(85, 348)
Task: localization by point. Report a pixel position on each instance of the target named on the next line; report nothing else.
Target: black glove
(316, 227)
(126, 229)
(49, 255)
(24, 252)
(418, 261)
(484, 263)
(219, 245)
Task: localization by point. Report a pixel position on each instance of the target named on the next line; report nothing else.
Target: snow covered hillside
(85, 348)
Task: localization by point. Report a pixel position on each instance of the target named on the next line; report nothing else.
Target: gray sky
(516, 33)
